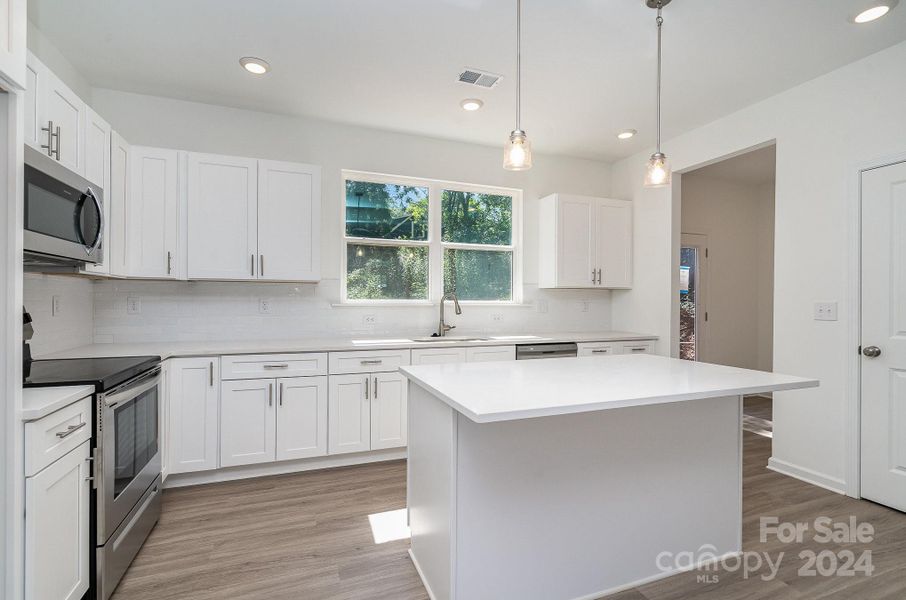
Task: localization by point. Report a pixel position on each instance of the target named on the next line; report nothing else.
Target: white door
(153, 213)
(248, 422)
(613, 243)
(66, 111)
(289, 221)
(117, 198)
(575, 241)
(222, 217)
(97, 171)
(12, 40)
(884, 335)
(192, 406)
(389, 411)
(349, 413)
(301, 417)
(491, 354)
(56, 529)
(438, 356)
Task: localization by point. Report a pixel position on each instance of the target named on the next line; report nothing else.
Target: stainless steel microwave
(64, 215)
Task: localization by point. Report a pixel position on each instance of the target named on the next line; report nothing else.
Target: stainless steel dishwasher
(534, 351)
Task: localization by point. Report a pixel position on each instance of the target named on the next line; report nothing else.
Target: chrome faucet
(443, 328)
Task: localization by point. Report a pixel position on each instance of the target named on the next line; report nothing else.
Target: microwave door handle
(97, 241)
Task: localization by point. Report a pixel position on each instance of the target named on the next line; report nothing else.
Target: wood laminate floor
(307, 537)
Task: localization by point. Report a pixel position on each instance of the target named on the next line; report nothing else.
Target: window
(408, 240)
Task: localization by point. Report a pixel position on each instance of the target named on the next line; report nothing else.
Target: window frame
(436, 246)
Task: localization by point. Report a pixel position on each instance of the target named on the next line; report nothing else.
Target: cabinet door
(247, 422)
(192, 404)
(613, 243)
(117, 196)
(492, 354)
(438, 356)
(97, 171)
(222, 217)
(389, 411)
(56, 529)
(66, 111)
(153, 213)
(349, 413)
(596, 349)
(35, 80)
(289, 221)
(575, 241)
(301, 417)
(12, 41)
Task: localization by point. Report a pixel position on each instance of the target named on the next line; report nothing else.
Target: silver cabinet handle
(375, 388)
(871, 351)
(253, 265)
(599, 276)
(601, 351)
(372, 362)
(211, 373)
(270, 394)
(70, 430)
(57, 151)
(50, 136)
(260, 265)
(280, 394)
(592, 276)
(367, 388)
(637, 349)
(169, 262)
(279, 366)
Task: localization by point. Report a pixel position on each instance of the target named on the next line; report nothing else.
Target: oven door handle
(133, 389)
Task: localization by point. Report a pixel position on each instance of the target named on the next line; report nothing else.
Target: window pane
(386, 211)
(468, 218)
(478, 275)
(386, 272)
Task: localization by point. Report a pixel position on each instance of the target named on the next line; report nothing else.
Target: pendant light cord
(518, 64)
(660, 22)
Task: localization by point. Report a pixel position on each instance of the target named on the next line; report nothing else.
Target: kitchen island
(571, 478)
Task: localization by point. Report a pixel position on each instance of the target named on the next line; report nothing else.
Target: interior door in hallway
(884, 335)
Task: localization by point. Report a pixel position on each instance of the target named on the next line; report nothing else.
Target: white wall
(56, 61)
(738, 220)
(824, 130)
(73, 326)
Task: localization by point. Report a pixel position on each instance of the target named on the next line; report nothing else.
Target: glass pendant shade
(517, 153)
(658, 172)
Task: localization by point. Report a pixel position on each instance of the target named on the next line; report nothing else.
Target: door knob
(871, 351)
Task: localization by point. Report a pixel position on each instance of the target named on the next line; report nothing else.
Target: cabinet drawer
(372, 361)
(596, 349)
(438, 356)
(258, 366)
(636, 347)
(491, 354)
(50, 437)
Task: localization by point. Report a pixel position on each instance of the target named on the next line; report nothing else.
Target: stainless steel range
(127, 464)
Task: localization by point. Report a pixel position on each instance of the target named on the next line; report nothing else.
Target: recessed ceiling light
(256, 66)
(875, 12)
(471, 104)
(626, 134)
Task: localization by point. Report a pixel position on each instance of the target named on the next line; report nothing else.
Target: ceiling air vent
(481, 78)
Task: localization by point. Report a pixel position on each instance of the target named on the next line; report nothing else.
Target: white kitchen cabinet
(389, 411)
(36, 75)
(13, 13)
(585, 242)
(222, 228)
(289, 221)
(490, 353)
(153, 233)
(248, 425)
(117, 198)
(349, 413)
(54, 116)
(57, 543)
(438, 356)
(301, 417)
(597, 348)
(97, 171)
(193, 407)
(642, 347)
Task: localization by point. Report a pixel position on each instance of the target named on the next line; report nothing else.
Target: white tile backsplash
(73, 326)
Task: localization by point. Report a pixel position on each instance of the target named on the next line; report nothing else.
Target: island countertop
(507, 391)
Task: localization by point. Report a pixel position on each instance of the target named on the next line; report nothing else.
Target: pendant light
(658, 171)
(517, 153)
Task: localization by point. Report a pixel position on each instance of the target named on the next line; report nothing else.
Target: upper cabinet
(117, 199)
(55, 117)
(153, 213)
(97, 171)
(585, 242)
(252, 219)
(13, 14)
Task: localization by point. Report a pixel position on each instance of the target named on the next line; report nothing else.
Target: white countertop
(507, 391)
(40, 402)
(216, 348)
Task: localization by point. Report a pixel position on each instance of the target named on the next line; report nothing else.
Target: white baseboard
(421, 575)
(283, 467)
(821, 480)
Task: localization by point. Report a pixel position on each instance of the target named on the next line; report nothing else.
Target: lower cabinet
(367, 411)
(56, 528)
(263, 420)
(192, 413)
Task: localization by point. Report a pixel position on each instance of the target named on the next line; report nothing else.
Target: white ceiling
(392, 64)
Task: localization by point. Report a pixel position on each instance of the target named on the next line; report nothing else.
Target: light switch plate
(264, 306)
(825, 311)
(133, 305)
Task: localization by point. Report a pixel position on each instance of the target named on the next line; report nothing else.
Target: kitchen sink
(451, 339)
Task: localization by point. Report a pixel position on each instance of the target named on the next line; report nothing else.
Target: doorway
(727, 259)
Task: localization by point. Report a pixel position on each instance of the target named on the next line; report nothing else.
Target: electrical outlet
(542, 306)
(369, 320)
(133, 305)
(264, 306)
(56, 306)
(585, 305)
(825, 311)
(497, 317)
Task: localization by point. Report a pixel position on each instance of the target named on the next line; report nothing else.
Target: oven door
(128, 454)
(64, 217)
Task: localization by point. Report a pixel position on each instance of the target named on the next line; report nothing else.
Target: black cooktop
(103, 373)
